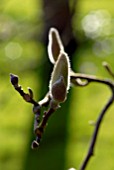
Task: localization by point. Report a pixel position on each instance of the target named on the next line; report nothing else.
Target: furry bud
(60, 79)
(55, 45)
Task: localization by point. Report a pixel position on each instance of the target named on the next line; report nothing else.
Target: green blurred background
(21, 54)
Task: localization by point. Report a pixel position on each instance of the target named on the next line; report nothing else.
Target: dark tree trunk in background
(51, 152)
(59, 15)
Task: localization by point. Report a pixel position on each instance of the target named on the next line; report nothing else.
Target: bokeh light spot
(102, 48)
(88, 68)
(97, 23)
(13, 50)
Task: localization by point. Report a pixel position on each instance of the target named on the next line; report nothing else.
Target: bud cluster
(58, 86)
(60, 78)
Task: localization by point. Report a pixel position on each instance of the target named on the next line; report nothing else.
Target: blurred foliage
(20, 53)
(94, 27)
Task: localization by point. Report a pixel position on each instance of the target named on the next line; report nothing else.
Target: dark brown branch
(95, 134)
(39, 126)
(89, 79)
(40, 129)
(83, 80)
(28, 97)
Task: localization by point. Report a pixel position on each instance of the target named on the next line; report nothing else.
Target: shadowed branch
(95, 134)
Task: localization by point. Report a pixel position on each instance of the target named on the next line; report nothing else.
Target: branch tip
(14, 79)
(108, 68)
(35, 144)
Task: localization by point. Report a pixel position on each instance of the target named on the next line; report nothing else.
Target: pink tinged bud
(60, 79)
(55, 45)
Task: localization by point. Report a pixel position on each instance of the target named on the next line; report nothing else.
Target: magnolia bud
(59, 90)
(60, 79)
(55, 45)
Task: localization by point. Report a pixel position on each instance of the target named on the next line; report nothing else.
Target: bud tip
(14, 79)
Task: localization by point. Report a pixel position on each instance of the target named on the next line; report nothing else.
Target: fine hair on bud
(60, 78)
(55, 45)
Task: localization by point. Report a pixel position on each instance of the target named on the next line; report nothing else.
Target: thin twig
(108, 68)
(40, 129)
(45, 101)
(90, 79)
(39, 125)
(95, 134)
(75, 77)
(28, 97)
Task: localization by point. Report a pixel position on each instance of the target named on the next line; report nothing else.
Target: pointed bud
(14, 79)
(55, 45)
(30, 92)
(60, 80)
